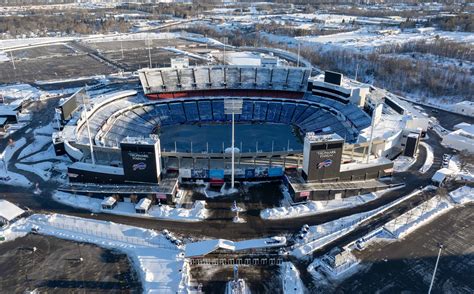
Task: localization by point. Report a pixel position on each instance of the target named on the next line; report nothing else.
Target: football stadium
(323, 136)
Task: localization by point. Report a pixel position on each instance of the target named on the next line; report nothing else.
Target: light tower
(233, 107)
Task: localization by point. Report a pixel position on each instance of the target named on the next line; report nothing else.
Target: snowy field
(160, 264)
(197, 213)
(366, 40)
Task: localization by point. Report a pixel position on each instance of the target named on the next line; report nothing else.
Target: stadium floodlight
(233, 107)
(85, 104)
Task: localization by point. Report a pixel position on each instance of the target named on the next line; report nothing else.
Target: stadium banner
(200, 173)
(216, 173)
(250, 173)
(261, 172)
(185, 172)
(240, 173)
(276, 171)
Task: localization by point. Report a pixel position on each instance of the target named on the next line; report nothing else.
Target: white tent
(9, 211)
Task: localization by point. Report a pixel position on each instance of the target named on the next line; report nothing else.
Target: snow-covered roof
(6, 110)
(9, 211)
(465, 127)
(461, 125)
(144, 203)
(202, 248)
(109, 201)
(441, 174)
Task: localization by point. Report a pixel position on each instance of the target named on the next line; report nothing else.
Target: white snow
(40, 169)
(320, 235)
(11, 149)
(462, 195)
(158, 262)
(429, 158)
(418, 216)
(367, 40)
(403, 163)
(315, 207)
(43, 155)
(8, 177)
(38, 143)
(15, 94)
(291, 279)
(197, 213)
(9, 211)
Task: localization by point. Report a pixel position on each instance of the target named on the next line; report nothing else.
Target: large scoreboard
(322, 156)
(141, 159)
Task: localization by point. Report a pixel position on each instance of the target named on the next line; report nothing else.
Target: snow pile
(462, 195)
(323, 234)
(290, 277)
(418, 216)
(4, 57)
(19, 92)
(159, 263)
(315, 207)
(197, 213)
(466, 174)
(429, 158)
(403, 163)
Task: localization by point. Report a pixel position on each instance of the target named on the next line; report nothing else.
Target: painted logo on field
(139, 166)
(325, 163)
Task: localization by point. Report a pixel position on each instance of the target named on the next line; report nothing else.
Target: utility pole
(225, 42)
(13, 60)
(149, 43)
(357, 71)
(121, 47)
(298, 60)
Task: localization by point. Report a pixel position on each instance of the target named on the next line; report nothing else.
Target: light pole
(233, 106)
(149, 43)
(85, 102)
(436, 267)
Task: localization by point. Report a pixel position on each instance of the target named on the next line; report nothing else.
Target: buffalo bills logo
(139, 166)
(325, 163)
